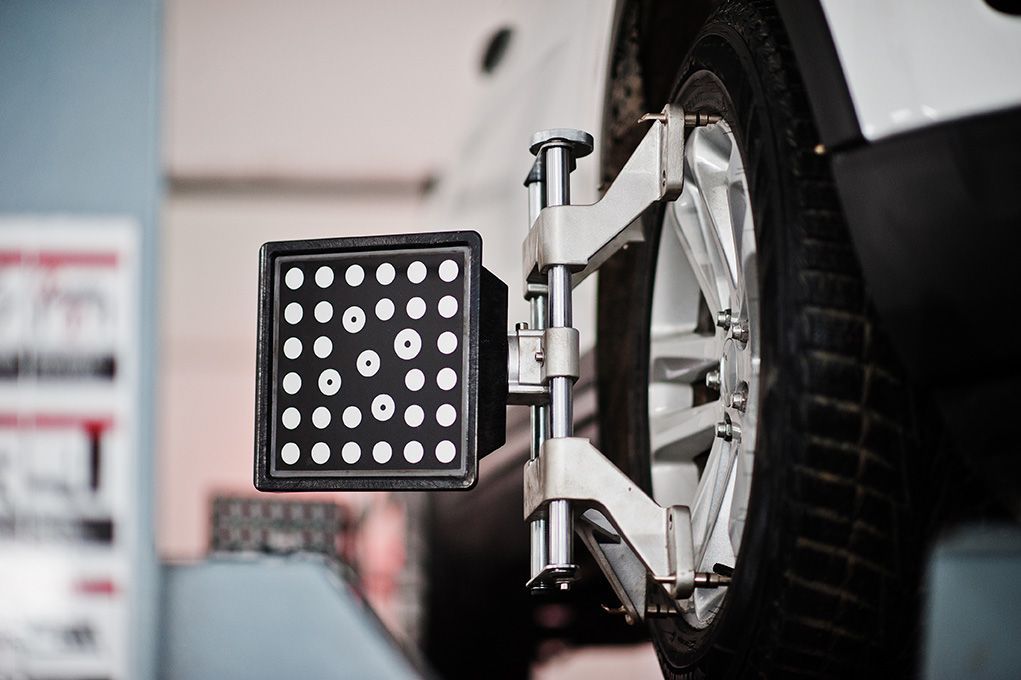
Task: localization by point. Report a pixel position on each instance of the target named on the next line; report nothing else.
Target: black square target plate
(367, 373)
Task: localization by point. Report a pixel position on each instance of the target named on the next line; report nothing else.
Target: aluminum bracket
(570, 468)
(582, 237)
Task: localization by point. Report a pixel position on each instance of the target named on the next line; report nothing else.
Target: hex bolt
(712, 380)
(723, 319)
(739, 331)
(521, 326)
(725, 431)
(739, 397)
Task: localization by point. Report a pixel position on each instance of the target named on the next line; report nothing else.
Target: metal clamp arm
(582, 237)
(570, 468)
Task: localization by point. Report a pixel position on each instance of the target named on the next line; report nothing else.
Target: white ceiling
(321, 90)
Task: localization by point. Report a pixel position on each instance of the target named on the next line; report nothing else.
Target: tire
(825, 580)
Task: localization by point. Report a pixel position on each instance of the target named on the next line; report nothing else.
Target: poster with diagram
(69, 390)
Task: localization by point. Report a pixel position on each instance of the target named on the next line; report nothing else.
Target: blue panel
(79, 134)
(270, 618)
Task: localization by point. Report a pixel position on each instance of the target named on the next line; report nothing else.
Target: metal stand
(635, 541)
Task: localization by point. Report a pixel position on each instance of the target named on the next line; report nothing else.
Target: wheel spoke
(712, 490)
(679, 434)
(682, 357)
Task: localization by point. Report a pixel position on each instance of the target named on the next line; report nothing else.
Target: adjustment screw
(521, 326)
(739, 331)
(712, 380)
(723, 319)
(540, 357)
(725, 431)
(739, 397)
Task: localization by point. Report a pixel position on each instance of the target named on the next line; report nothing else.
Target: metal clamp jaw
(616, 515)
(535, 356)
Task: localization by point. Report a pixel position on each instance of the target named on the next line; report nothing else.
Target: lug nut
(739, 331)
(739, 397)
(712, 380)
(725, 431)
(723, 319)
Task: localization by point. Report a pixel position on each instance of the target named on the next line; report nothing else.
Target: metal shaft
(557, 163)
(539, 555)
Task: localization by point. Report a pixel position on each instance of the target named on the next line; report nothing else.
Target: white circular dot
(292, 348)
(320, 452)
(447, 342)
(352, 417)
(383, 407)
(289, 453)
(413, 452)
(329, 382)
(446, 415)
(382, 452)
(384, 309)
(414, 380)
(368, 363)
(407, 344)
(322, 346)
(324, 277)
(445, 451)
(414, 415)
(293, 313)
(323, 312)
(416, 308)
(447, 306)
(351, 452)
(321, 417)
(448, 270)
(290, 418)
(446, 379)
(291, 383)
(294, 278)
(416, 272)
(354, 275)
(385, 274)
(354, 319)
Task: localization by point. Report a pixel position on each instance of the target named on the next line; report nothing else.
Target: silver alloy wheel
(702, 443)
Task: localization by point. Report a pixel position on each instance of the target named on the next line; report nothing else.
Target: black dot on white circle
(291, 383)
(294, 278)
(407, 344)
(354, 275)
(289, 453)
(329, 382)
(324, 277)
(368, 363)
(416, 272)
(293, 313)
(448, 270)
(383, 407)
(354, 319)
(320, 452)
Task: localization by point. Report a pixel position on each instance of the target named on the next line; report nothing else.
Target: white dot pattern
(397, 321)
